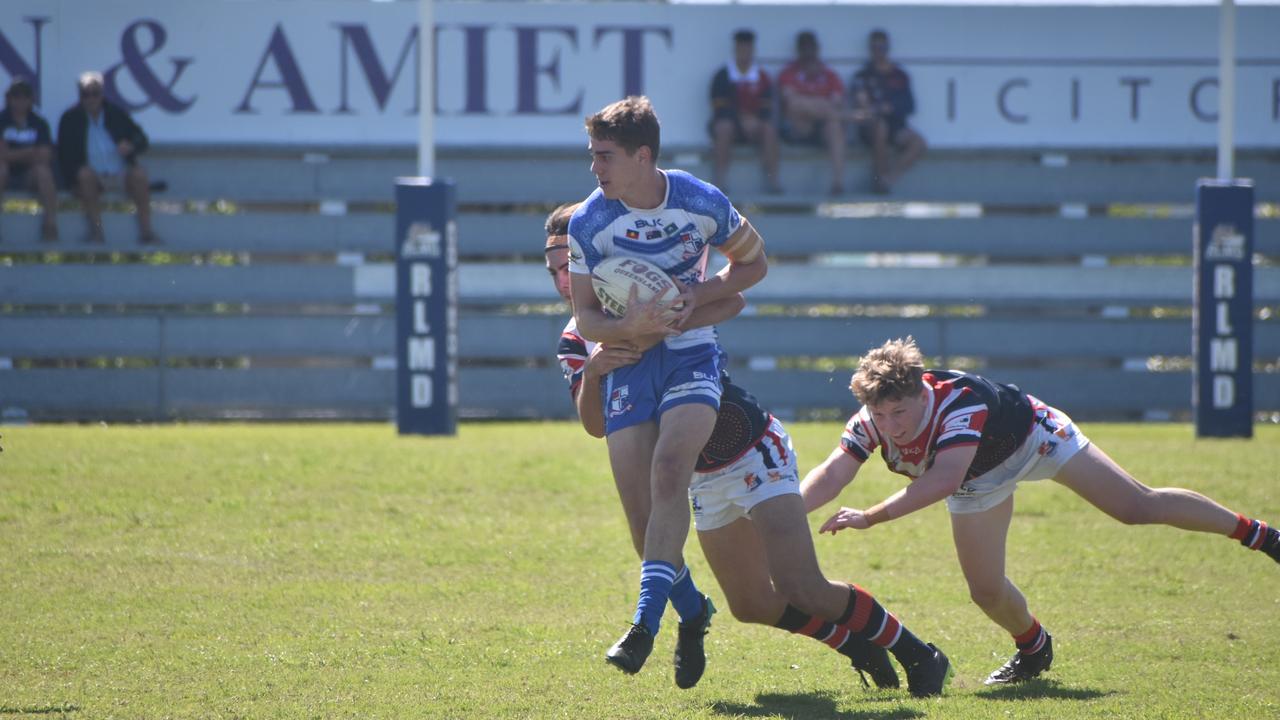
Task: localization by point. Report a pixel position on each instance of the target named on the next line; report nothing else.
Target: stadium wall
(326, 72)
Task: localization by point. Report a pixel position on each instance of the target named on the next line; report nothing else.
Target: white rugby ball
(613, 277)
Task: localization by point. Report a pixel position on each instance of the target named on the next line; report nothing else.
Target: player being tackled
(750, 521)
(970, 441)
(660, 409)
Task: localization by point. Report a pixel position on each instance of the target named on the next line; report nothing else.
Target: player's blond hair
(630, 122)
(892, 371)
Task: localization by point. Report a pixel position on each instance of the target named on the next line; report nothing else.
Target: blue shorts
(661, 380)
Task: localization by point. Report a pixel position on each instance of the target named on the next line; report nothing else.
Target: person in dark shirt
(98, 148)
(971, 441)
(882, 103)
(742, 111)
(26, 153)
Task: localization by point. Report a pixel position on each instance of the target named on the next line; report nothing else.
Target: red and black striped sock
(1251, 533)
(866, 617)
(1030, 642)
(797, 621)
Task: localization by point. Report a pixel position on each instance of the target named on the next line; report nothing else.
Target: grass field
(327, 571)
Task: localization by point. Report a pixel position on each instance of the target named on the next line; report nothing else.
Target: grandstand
(272, 297)
(1064, 269)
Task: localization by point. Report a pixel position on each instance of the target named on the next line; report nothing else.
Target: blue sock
(656, 577)
(685, 597)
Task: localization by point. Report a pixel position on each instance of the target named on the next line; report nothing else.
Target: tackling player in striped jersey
(970, 440)
(749, 517)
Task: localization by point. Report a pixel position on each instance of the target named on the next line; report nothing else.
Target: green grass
(328, 571)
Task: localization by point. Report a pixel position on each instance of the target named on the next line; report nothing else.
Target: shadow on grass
(1040, 688)
(39, 710)
(802, 706)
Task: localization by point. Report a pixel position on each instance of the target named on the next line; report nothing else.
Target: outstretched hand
(845, 518)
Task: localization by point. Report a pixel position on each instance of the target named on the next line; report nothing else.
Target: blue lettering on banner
(281, 55)
(135, 60)
(13, 62)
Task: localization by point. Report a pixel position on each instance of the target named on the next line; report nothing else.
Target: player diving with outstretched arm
(970, 441)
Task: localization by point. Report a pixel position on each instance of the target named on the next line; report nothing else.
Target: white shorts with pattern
(766, 471)
(1054, 439)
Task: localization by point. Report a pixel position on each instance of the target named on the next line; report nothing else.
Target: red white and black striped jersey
(572, 352)
(962, 409)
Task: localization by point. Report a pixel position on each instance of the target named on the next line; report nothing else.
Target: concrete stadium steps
(507, 283)
(488, 235)
(552, 176)
(186, 393)
(490, 337)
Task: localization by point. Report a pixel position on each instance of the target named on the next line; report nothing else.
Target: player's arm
(825, 482)
(747, 266)
(942, 478)
(714, 313)
(603, 360)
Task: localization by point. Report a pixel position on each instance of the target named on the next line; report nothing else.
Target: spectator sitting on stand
(883, 100)
(741, 111)
(813, 105)
(26, 153)
(98, 148)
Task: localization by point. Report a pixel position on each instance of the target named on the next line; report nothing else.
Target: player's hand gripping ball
(613, 278)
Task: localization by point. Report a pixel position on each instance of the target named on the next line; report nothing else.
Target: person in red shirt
(882, 102)
(813, 105)
(742, 111)
(971, 441)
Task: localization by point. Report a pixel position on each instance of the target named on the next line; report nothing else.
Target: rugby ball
(613, 277)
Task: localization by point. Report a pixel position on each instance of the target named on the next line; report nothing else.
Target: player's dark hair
(630, 122)
(806, 37)
(558, 221)
(893, 371)
(878, 34)
(20, 87)
(744, 36)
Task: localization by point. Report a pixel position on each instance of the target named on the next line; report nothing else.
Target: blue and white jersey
(673, 236)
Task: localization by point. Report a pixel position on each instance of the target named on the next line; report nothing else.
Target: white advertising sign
(524, 74)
